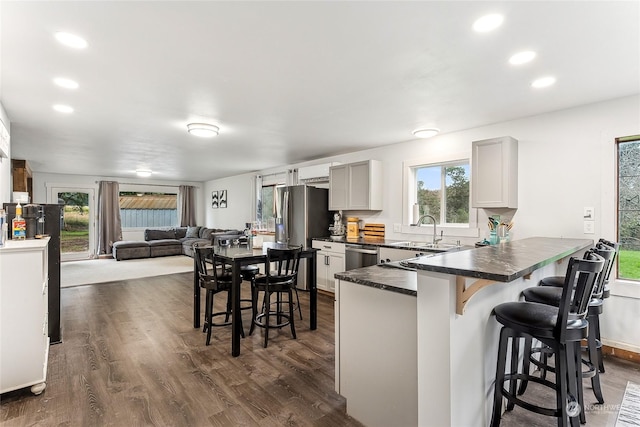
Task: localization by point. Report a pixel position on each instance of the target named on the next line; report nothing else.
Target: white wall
(566, 162)
(240, 202)
(5, 163)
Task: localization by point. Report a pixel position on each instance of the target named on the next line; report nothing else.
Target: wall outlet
(397, 228)
(589, 227)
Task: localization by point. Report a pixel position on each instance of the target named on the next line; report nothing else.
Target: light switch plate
(397, 228)
(589, 227)
(589, 213)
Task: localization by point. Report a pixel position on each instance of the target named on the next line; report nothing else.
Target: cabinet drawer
(328, 246)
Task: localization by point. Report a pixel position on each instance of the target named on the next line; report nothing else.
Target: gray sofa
(170, 241)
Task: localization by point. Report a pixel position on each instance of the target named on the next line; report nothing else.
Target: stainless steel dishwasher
(357, 256)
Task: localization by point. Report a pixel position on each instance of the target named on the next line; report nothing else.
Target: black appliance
(53, 220)
(34, 217)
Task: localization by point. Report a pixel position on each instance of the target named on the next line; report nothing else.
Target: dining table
(241, 255)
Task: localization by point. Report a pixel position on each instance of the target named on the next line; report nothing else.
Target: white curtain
(109, 224)
(187, 204)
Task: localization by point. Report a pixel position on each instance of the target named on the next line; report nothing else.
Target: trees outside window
(629, 207)
(443, 192)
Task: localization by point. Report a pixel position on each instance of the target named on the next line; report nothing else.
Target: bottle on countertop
(19, 225)
(3, 227)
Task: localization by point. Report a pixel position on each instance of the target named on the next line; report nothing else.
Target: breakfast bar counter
(434, 354)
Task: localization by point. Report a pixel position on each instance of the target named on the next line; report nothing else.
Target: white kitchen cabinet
(356, 186)
(330, 261)
(494, 173)
(24, 332)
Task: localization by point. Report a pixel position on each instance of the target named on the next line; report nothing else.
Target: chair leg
(209, 315)
(526, 363)
(291, 315)
(515, 350)
(561, 385)
(254, 307)
(500, 367)
(298, 302)
(596, 327)
(592, 349)
(267, 301)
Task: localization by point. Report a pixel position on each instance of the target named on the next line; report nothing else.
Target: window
(629, 207)
(142, 210)
(442, 191)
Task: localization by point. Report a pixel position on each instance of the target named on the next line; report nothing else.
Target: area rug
(629, 414)
(76, 273)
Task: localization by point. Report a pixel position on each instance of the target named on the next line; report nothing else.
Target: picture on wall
(214, 200)
(222, 198)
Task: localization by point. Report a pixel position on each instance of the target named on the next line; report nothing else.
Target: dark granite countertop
(504, 262)
(391, 279)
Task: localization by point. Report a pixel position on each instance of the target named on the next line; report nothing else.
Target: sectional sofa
(170, 241)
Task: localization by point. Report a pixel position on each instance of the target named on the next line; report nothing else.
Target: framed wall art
(214, 200)
(222, 198)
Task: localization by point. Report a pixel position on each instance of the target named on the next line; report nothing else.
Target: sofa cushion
(181, 232)
(205, 233)
(164, 242)
(193, 232)
(156, 234)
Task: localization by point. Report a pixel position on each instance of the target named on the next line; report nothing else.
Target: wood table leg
(235, 314)
(313, 291)
(196, 295)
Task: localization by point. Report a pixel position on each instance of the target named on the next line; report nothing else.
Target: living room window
(629, 207)
(146, 209)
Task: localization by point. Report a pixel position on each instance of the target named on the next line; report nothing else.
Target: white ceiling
(288, 82)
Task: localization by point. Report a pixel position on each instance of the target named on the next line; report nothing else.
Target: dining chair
(214, 276)
(281, 272)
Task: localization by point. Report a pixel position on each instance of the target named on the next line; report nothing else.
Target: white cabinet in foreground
(24, 331)
(330, 261)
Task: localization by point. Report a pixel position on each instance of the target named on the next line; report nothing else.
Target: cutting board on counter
(374, 231)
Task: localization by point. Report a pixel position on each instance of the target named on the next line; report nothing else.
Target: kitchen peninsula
(430, 359)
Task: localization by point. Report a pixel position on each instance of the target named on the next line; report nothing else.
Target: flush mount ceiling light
(63, 108)
(71, 40)
(543, 82)
(426, 133)
(65, 83)
(522, 57)
(143, 173)
(488, 23)
(203, 130)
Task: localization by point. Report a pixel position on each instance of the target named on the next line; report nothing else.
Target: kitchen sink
(431, 247)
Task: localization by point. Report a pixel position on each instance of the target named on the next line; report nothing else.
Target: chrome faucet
(421, 221)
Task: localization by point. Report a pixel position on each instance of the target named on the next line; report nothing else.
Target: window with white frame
(629, 207)
(442, 190)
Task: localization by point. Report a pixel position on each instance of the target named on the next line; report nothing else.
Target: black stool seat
(538, 320)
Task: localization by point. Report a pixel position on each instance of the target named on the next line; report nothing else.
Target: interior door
(77, 233)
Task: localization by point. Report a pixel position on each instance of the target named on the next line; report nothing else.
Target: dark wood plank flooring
(130, 357)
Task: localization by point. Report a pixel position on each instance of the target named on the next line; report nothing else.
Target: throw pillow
(192, 232)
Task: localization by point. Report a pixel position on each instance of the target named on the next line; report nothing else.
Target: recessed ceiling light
(143, 173)
(488, 23)
(543, 82)
(71, 40)
(66, 83)
(63, 108)
(522, 57)
(203, 130)
(425, 133)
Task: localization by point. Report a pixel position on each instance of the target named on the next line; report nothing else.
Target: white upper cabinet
(494, 173)
(356, 186)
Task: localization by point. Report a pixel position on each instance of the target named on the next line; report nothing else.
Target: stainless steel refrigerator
(302, 213)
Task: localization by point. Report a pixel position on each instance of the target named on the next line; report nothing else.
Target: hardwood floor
(130, 357)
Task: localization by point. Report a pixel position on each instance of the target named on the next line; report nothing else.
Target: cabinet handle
(326, 247)
(327, 260)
